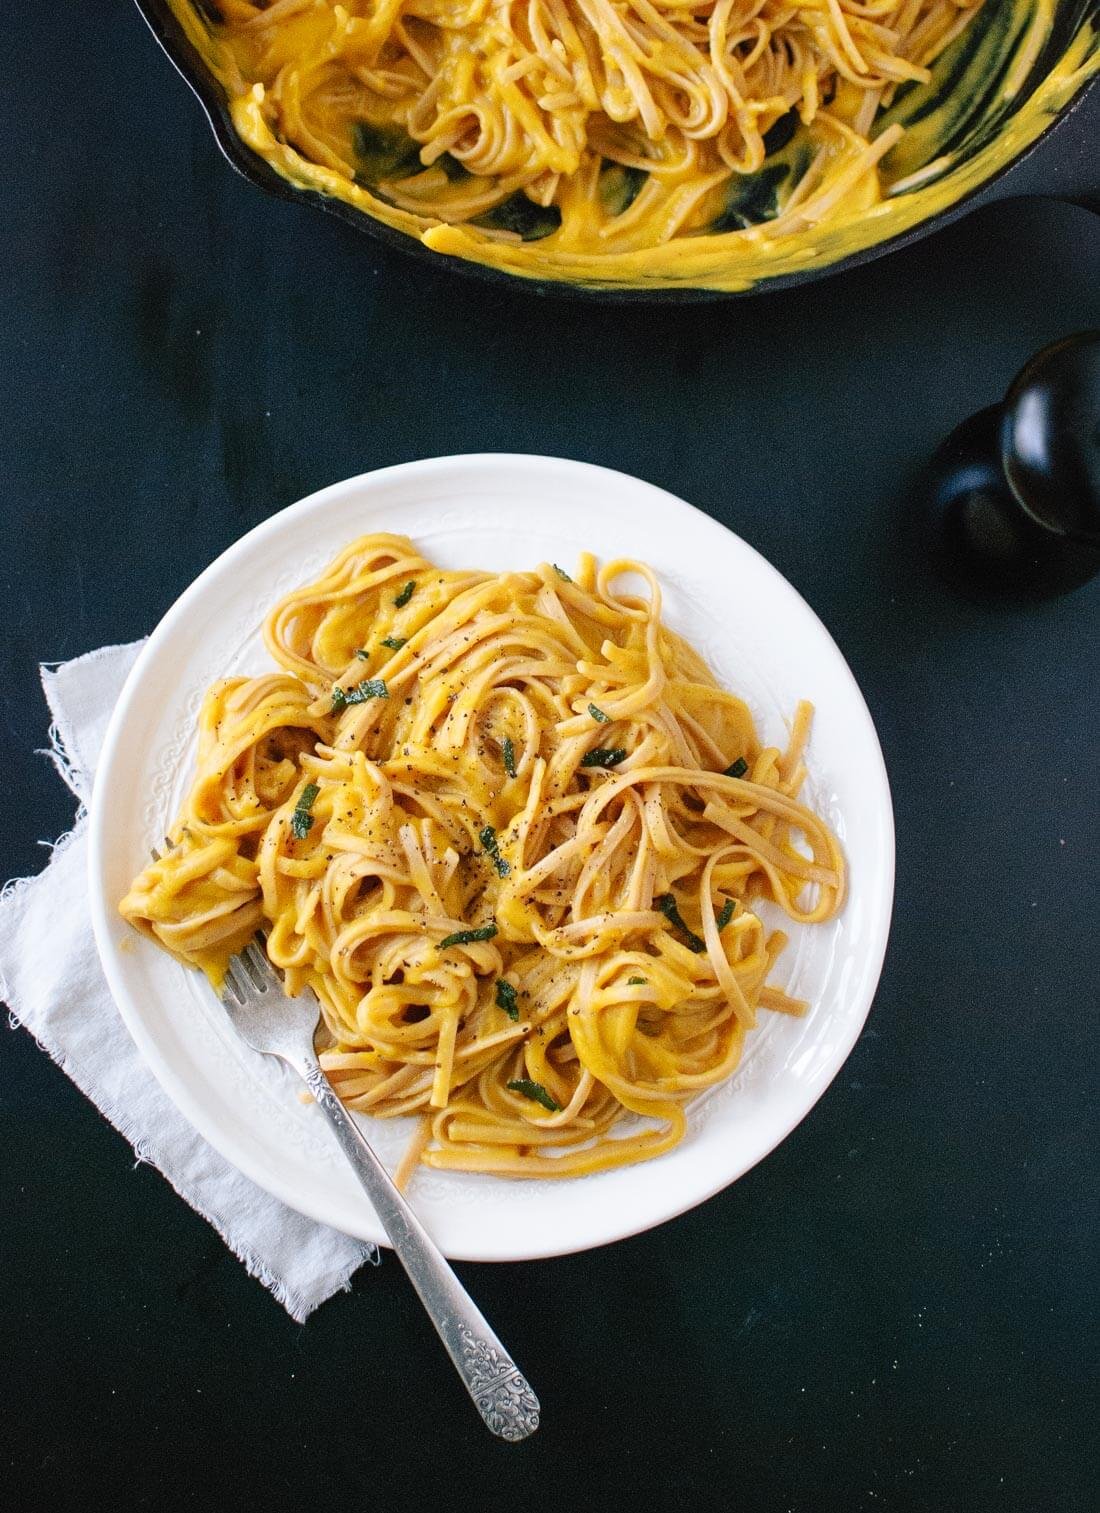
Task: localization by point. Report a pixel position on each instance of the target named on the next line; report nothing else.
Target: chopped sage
(667, 905)
(536, 1092)
(370, 688)
(561, 572)
(725, 914)
(488, 839)
(395, 643)
(598, 714)
(506, 998)
(604, 756)
(406, 594)
(736, 769)
(468, 937)
(301, 821)
(637, 982)
(508, 756)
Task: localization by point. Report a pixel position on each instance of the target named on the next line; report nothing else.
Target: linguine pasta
(512, 834)
(607, 132)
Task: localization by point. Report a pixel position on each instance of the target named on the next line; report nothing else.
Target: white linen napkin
(52, 982)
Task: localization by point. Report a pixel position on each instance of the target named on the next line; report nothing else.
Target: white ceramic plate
(497, 512)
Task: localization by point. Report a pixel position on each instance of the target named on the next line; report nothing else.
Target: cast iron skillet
(1062, 163)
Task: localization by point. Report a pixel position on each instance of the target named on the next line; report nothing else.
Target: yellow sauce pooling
(638, 143)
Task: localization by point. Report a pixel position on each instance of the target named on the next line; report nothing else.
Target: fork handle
(501, 1394)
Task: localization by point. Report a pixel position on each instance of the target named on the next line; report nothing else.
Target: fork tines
(249, 973)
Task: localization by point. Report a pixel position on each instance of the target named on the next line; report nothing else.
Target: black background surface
(892, 1311)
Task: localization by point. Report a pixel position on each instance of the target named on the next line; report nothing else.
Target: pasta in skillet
(585, 139)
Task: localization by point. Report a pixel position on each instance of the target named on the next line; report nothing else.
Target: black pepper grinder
(1014, 492)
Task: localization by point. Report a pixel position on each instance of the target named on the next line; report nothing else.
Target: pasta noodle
(602, 130)
(511, 832)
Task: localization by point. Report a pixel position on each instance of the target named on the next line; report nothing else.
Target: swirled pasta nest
(512, 833)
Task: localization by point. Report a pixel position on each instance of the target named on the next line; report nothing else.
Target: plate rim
(104, 915)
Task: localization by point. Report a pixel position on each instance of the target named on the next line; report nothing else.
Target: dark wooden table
(892, 1311)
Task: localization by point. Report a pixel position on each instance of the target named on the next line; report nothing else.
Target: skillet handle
(1064, 164)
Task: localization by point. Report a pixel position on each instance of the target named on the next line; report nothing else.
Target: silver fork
(276, 1025)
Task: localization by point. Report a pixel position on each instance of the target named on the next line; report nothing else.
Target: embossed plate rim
(465, 502)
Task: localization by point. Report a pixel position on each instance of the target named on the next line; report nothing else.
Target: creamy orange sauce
(484, 164)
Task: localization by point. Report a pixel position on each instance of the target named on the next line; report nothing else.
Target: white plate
(497, 512)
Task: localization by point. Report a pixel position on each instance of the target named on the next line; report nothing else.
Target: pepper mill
(1014, 492)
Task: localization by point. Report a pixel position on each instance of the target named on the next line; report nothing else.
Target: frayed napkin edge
(63, 752)
(291, 1300)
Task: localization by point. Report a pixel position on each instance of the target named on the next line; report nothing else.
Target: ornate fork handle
(502, 1395)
